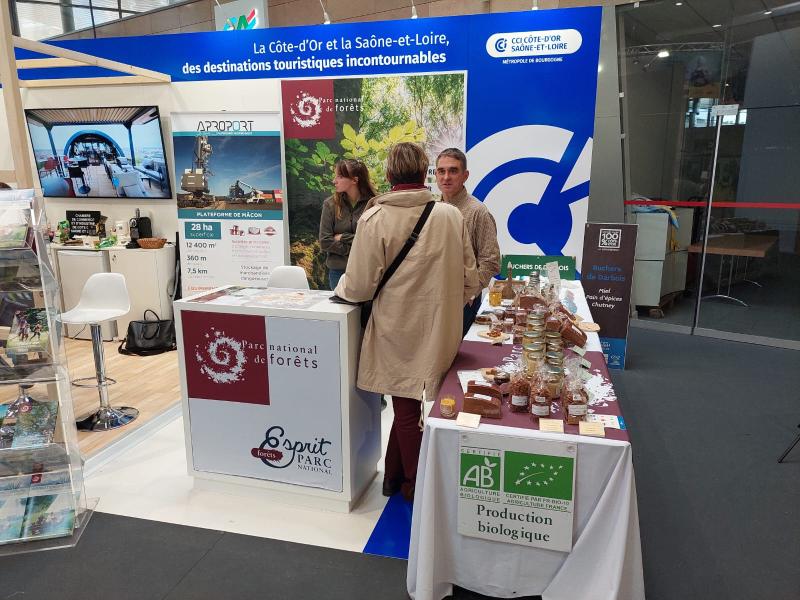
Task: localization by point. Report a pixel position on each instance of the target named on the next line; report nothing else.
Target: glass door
(733, 71)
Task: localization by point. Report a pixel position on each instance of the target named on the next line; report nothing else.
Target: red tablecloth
(477, 355)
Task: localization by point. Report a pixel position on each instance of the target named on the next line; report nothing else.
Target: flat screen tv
(102, 152)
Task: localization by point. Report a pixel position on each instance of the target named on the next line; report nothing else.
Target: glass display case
(42, 499)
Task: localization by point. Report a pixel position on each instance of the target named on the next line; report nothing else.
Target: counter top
(317, 301)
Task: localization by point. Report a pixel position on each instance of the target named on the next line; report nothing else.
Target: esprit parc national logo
(225, 357)
(249, 21)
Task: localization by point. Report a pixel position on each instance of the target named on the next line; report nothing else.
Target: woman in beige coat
(415, 330)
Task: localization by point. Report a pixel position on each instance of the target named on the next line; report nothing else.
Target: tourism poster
(29, 332)
(36, 424)
(326, 120)
(230, 198)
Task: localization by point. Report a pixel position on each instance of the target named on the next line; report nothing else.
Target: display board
(517, 490)
(230, 203)
(530, 81)
(264, 397)
(608, 259)
(326, 120)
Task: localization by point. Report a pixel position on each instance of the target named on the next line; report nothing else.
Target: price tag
(585, 363)
(466, 419)
(551, 425)
(586, 376)
(578, 350)
(593, 429)
(553, 274)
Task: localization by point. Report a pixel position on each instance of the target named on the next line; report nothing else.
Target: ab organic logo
(480, 469)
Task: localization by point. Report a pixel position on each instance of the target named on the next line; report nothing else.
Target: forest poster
(329, 119)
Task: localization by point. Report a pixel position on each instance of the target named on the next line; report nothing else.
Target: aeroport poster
(230, 202)
(326, 120)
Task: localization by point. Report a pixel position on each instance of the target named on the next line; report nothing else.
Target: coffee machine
(139, 227)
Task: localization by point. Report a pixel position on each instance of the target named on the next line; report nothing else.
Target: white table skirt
(606, 559)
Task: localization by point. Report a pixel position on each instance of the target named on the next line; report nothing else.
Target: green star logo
(538, 475)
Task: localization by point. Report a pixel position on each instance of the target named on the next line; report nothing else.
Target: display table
(605, 561)
(269, 397)
(735, 246)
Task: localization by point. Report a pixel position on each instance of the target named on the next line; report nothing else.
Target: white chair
(288, 277)
(104, 298)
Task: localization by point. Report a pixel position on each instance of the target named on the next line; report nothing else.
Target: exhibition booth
(192, 177)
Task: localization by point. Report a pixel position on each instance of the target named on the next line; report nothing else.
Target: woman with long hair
(340, 213)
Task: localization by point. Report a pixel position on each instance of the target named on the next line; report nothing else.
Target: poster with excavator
(230, 201)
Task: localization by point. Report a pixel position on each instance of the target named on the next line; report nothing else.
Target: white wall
(231, 96)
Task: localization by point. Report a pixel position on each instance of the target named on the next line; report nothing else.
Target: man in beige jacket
(415, 330)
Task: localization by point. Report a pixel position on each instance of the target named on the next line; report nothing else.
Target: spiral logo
(222, 358)
(306, 111)
(500, 44)
(535, 181)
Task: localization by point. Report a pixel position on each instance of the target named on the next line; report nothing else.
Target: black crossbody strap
(412, 239)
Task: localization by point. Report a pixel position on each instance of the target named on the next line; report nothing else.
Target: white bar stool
(104, 298)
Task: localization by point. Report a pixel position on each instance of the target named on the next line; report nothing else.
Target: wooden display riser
(150, 384)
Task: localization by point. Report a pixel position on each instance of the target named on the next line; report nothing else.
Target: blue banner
(531, 82)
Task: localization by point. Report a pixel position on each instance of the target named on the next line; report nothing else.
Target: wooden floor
(150, 384)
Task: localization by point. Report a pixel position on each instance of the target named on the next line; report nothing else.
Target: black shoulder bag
(366, 307)
(148, 338)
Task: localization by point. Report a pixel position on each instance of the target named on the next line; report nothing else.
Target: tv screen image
(102, 152)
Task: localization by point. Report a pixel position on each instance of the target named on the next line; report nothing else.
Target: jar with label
(554, 357)
(521, 317)
(517, 335)
(447, 407)
(508, 325)
(552, 336)
(529, 337)
(496, 328)
(495, 293)
(518, 391)
(554, 381)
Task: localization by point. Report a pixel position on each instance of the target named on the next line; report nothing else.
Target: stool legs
(107, 417)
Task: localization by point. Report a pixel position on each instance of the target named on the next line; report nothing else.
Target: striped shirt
(482, 232)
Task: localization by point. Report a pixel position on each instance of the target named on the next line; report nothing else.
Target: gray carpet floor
(720, 519)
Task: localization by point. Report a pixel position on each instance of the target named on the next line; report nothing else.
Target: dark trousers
(405, 439)
(470, 312)
(334, 275)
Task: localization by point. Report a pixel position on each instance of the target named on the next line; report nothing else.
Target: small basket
(152, 243)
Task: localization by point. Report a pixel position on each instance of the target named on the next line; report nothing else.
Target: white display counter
(269, 396)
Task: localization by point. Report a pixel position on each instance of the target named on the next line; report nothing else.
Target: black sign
(606, 276)
(83, 222)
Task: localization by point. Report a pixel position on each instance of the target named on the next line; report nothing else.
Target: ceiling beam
(47, 63)
(88, 59)
(77, 81)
